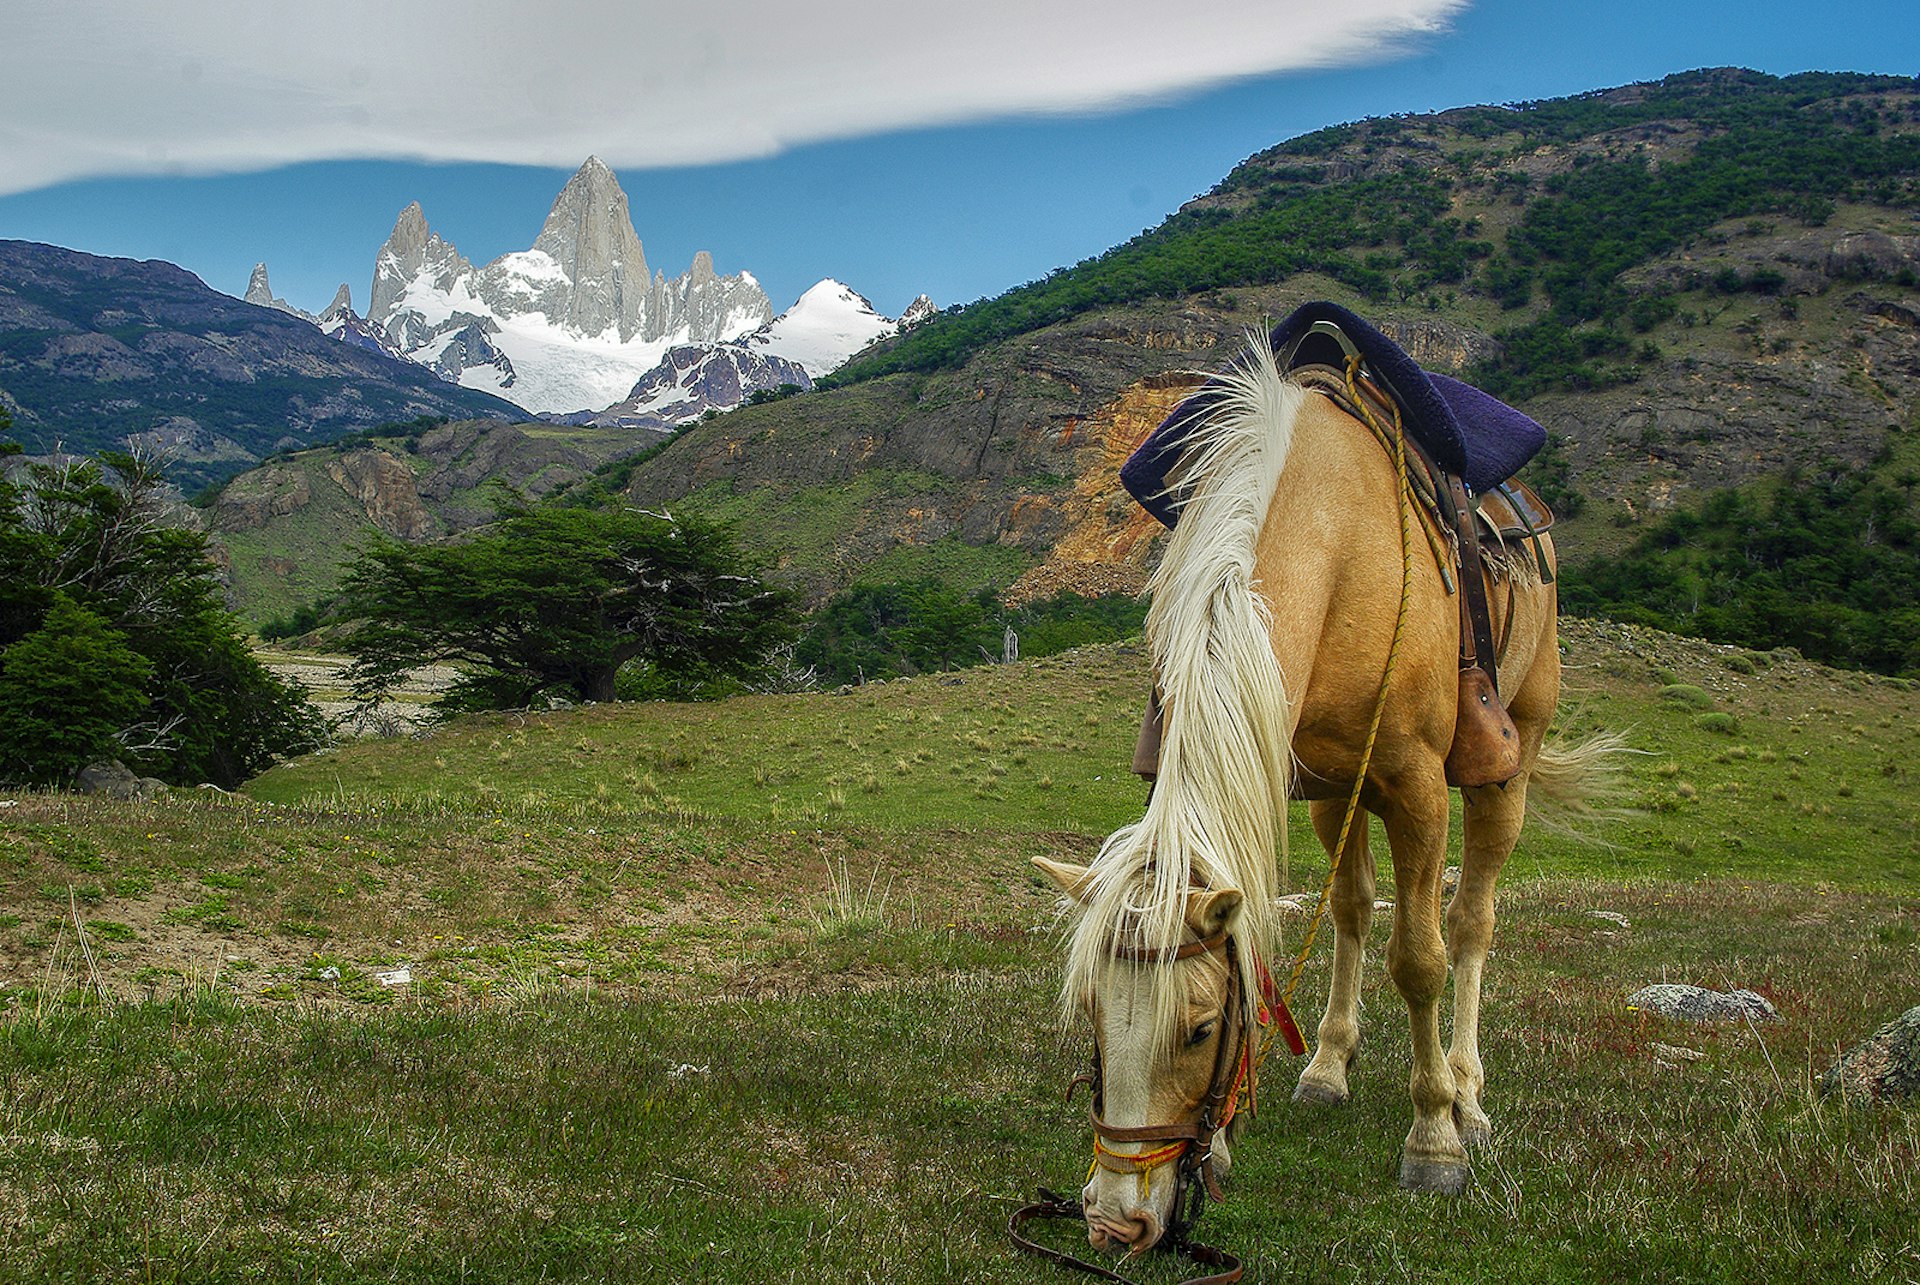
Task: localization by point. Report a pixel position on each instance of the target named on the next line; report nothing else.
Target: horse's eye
(1200, 1034)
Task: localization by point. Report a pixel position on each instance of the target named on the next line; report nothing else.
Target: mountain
(695, 379)
(578, 317)
(1705, 282)
(260, 293)
(96, 353)
(829, 324)
(826, 326)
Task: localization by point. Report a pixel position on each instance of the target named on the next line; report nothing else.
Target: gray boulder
(1885, 1065)
(117, 781)
(1697, 1004)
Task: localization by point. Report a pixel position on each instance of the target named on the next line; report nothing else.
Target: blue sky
(906, 160)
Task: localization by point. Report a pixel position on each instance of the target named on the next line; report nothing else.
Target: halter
(1187, 1143)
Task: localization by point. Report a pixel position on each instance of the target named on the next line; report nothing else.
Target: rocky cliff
(285, 529)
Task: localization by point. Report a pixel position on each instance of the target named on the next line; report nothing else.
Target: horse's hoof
(1434, 1177)
(1318, 1094)
(1475, 1130)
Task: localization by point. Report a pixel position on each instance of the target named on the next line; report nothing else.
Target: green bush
(1718, 722)
(66, 689)
(113, 641)
(1686, 694)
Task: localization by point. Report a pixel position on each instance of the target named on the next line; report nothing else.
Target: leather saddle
(1460, 524)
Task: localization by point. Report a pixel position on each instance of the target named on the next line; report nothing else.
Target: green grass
(684, 1029)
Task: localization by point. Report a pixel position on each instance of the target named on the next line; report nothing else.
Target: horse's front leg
(1415, 814)
(1325, 1079)
(1492, 826)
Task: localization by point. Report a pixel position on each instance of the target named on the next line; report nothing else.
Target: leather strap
(1228, 1268)
(1476, 621)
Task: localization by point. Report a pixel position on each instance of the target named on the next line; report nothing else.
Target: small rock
(1698, 1004)
(1885, 1065)
(1672, 1056)
(394, 976)
(1611, 916)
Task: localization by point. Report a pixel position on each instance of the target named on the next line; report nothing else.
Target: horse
(1274, 614)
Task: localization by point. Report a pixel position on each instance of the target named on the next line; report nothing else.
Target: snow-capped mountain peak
(578, 321)
(827, 325)
(572, 321)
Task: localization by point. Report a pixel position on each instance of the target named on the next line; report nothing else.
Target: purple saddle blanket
(1464, 430)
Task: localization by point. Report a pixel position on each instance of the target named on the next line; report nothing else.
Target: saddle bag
(1486, 746)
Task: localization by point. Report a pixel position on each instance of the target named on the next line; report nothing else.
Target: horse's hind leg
(1416, 823)
(1325, 1079)
(1492, 826)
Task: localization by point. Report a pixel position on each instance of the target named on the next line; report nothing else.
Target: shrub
(1718, 722)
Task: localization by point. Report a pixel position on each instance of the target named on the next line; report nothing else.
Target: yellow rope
(1397, 445)
(1143, 1164)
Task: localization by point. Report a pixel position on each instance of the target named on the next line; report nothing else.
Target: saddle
(1464, 447)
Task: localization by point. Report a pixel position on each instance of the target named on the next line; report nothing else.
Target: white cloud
(115, 87)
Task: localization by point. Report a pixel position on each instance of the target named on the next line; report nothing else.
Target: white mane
(1222, 787)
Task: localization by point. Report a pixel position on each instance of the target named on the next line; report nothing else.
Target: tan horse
(1273, 614)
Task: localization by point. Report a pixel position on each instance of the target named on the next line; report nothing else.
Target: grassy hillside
(763, 991)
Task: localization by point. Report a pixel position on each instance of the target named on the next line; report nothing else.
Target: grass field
(763, 991)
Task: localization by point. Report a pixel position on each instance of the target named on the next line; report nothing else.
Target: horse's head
(1169, 1054)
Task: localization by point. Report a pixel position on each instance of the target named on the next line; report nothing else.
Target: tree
(94, 568)
(66, 690)
(551, 602)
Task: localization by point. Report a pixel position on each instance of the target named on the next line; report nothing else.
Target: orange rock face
(1109, 543)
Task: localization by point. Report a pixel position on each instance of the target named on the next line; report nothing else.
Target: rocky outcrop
(257, 497)
(115, 780)
(1106, 541)
(1698, 1004)
(383, 485)
(1884, 1067)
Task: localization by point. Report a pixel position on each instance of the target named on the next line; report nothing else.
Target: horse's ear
(1208, 911)
(1073, 880)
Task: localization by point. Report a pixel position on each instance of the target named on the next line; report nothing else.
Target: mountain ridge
(102, 353)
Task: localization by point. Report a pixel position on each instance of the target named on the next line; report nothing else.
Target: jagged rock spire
(589, 233)
(412, 252)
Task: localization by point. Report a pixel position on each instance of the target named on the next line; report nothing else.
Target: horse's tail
(1572, 779)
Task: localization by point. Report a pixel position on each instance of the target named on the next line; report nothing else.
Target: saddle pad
(1464, 430)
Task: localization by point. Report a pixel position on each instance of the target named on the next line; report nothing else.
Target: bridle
(1188, 1144)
